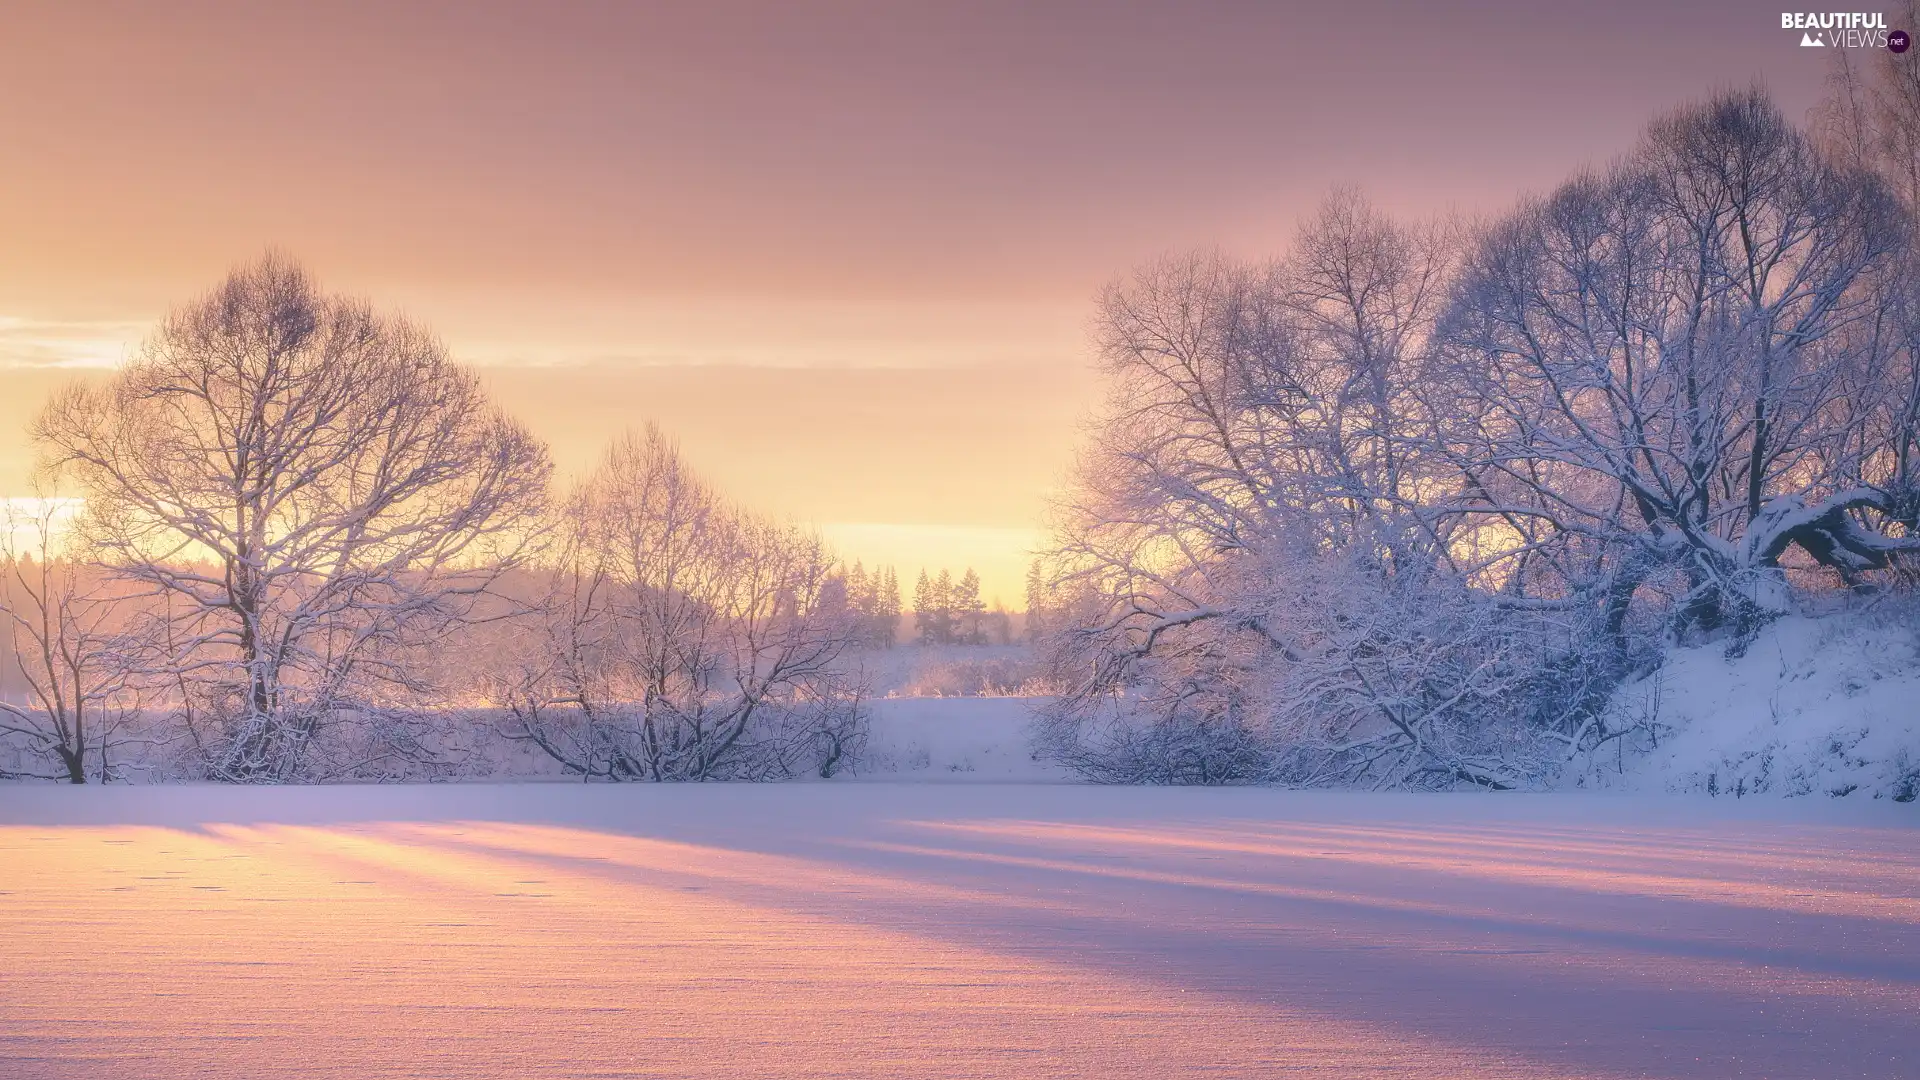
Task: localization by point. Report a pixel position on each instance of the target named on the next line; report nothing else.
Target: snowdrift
(1825, 706)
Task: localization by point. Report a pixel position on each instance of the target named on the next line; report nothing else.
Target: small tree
(933, 608)
(687, 639)
(1036, 624)
(886, 608)
(969, 611)
(65, 643)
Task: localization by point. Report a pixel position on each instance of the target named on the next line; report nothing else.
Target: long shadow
(1592, 998)
(1549, 973)
(1898, 965)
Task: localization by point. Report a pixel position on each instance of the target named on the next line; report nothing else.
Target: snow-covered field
(953, 739)
(882, 929)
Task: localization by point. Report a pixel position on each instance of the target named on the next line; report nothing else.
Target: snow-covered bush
(978, 671)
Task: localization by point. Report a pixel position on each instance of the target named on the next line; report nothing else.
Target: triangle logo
(1808, 41)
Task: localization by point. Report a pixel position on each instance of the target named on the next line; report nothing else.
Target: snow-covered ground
(1819, 707)
(950, 930)
(964, 738)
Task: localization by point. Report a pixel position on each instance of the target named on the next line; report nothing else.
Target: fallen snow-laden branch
(1828, 529)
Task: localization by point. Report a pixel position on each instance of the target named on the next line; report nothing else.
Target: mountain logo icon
(1808, 41)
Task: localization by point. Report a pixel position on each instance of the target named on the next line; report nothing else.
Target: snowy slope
(1827, 706)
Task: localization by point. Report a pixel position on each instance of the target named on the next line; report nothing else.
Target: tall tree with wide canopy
(308, 489)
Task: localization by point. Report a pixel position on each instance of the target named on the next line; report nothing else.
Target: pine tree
(943, 608)
(968, 611)
(933, 608)
(835, 603)
(999, 629)
(859, 589)
(1036, 602)
(886, 612)
(923, 610)
(862, 599)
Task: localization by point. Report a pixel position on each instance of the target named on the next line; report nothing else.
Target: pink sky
(683, 205)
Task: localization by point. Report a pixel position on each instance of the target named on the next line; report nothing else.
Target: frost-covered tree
(1265, 426)
(1663, 350)
(1870, 120)
(1870, 116)
(307, 491)
(1035, 622)
(1405, 506)
(933, 608)
(969, 612)
(685, 639)
(885, 614)
(874, 599)
(63, 630)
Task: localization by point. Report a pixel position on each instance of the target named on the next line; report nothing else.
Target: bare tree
(1870, 116)
(1380, 514)
(1870, 121)
(686, 638)
(1662, 349)
(1265, 426)
(67, 646)
(307, 490)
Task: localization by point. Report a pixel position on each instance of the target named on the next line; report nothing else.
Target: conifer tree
(923, 612)
(969, 613)
(933, 608)
(1036, 621)
(859, 590)
(886, 612)
(943, 607)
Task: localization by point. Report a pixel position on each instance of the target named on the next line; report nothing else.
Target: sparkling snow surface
(950, 930)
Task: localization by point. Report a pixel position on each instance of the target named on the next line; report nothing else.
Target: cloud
(47, 343)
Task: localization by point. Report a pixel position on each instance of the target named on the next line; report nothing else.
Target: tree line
(949, 612)
(311, 549)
